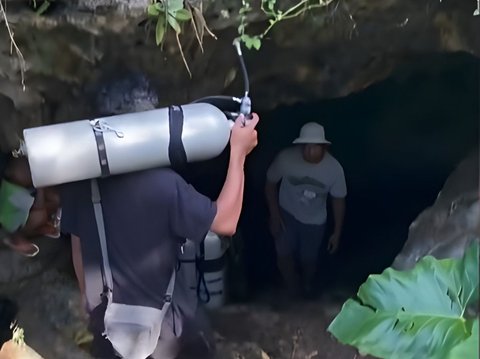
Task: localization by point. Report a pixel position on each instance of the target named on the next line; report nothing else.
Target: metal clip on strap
(99, 127)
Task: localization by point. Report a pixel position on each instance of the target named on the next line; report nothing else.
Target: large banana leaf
(469, 348)
(414, 314)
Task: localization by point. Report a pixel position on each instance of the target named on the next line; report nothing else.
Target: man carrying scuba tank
(148, 215)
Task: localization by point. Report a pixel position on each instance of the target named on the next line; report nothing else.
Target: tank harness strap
(176, 151)
(101, 149)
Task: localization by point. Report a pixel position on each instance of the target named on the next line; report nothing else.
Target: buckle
(100, 125)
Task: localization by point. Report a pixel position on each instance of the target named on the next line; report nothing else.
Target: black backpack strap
(101, 148)
(176, 150)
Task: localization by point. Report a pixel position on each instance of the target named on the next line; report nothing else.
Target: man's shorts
(299, 239)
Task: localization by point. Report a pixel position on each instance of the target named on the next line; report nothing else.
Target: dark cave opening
(397, 140)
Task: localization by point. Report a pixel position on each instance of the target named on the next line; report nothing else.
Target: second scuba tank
(85, 149)
(211, 289)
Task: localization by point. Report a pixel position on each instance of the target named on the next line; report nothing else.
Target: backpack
(133, 330)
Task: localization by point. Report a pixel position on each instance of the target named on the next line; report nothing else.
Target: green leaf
(160, 30)
(44, 7)
(174, 5)
(152, 10)
(468, 348)
(412, 314)
(247, 40)
(159, 6)
(476, 12)
(174, 24)
(183, 15)
(257, 43)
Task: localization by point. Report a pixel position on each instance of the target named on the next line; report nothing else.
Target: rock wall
(446, 229)
(328, 53)
(47, 298)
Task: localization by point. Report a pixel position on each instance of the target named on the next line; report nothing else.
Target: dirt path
(281, 331)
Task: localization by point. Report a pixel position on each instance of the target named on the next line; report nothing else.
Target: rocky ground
(271, 330)
(267, 327)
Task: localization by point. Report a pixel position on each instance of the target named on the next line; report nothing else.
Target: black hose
(246, 82)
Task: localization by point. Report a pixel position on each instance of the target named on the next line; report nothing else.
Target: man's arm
(271, 193)
(274, 176)
(338, 193)
(338, 206)
(229, 202)
(276, 224)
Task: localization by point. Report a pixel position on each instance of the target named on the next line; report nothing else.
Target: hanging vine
(274, 15)
(169, 15)
(13, 44)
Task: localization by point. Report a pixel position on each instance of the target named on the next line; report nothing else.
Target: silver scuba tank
(100, 147)
(85, 149)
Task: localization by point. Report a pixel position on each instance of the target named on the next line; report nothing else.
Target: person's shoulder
(160, 177)
(151, 185)
(333, 162)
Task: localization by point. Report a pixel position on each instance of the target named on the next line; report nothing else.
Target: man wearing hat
(307, 173)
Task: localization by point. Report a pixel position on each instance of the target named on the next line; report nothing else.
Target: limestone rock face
(331, 52)
(48, 300)
(446, 229)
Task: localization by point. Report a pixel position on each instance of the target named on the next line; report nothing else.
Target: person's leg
(52, 199)
(100, 347)
(168, 346)
(52, 205)
(197, 340)
(39, 223)
(286, 245)
(36, 219)
(77, 261)
(311, 237)
(18, 243)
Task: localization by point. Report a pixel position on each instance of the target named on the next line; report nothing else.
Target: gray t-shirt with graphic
(305, 186)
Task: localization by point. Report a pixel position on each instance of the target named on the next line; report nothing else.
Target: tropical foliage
(429, 312)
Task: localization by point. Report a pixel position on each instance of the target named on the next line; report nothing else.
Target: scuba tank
(113, 145)
(100, 147)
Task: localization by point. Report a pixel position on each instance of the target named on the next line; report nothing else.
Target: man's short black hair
(132, 92)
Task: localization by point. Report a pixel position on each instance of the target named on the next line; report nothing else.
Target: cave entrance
(397, 141)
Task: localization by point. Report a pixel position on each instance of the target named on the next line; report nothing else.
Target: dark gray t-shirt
(147, 217)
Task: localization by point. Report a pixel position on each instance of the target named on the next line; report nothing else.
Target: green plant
(421, 313)
(172, 14)
(274, 16)
(40, 9)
